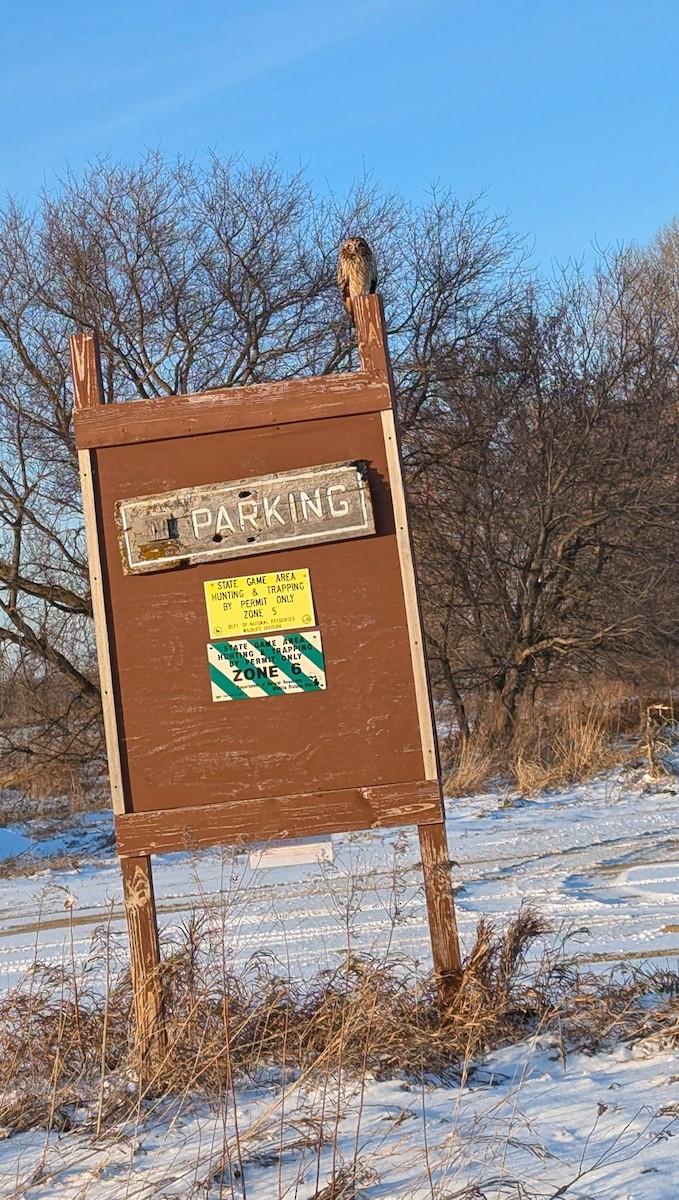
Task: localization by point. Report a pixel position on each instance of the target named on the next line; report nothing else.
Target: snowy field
(601, 861)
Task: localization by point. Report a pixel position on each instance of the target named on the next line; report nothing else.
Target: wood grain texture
(216, 411)
(140, 909)
(371, 336)
(111, 730)
(88, 390)
(413, 616)
(264, 819)
(374, 353)
(436, 868)
(178, 747)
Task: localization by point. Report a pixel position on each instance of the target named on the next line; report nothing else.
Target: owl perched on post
(356, 271)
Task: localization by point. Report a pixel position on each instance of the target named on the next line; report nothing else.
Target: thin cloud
(254, 48)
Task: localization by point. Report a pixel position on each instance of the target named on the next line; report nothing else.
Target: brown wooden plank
(229, 409)
(264, 819)
(373, 347)
(111, 730)
(140, 909)
(88, 389)
(436, 867)
(374, 354)
(371, 334)
(410, 594)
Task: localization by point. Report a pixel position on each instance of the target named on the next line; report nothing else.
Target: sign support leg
(140, 909)
(440, 906)
(373, 350)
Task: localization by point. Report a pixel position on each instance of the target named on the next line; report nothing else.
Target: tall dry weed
(67, 1041)
(474, 764)
(559, 744)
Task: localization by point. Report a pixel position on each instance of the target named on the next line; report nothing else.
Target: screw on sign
(309, 593)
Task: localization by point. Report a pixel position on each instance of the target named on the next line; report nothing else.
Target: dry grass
(67, 1045)
(51, 778)
(63, 1040)
(473, 767)
(53, 791)
(566, 743)
(579, 741)
(19, 865)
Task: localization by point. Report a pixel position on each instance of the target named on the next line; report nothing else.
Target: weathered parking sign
(229, 520)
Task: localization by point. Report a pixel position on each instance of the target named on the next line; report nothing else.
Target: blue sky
(566, 112)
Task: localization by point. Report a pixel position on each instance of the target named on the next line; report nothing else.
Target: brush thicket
(67, 1044)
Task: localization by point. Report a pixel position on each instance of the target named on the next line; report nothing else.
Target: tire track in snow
(577, 856)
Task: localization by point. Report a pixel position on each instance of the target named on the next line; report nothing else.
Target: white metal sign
(245, 516)
(295, 852)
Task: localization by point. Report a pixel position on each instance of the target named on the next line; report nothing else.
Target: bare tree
(547, 498)
(540, 423)
(194, 277)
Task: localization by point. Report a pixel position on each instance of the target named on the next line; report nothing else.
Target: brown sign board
(354, 746)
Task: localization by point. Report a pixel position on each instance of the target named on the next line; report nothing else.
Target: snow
(600, 860)
(602, 857)
(13, 844)
(605, 1126)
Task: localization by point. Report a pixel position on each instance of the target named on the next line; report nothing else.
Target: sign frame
(116, 440)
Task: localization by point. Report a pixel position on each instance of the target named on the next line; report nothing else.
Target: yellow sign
(259, 603)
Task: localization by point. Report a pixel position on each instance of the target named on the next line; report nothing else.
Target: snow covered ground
(604, 1126)
(602, 857)
(600, 860)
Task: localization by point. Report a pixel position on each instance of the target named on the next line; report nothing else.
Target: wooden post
(140, 908)
(440, 905)
(373, 350)
(137, 880)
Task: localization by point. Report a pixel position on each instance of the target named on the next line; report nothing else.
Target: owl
(356, 271)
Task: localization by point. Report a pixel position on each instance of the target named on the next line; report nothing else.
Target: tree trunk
(456, 701)
(501, 720)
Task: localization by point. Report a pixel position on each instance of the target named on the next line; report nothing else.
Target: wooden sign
(320, 625)
(229, 520)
